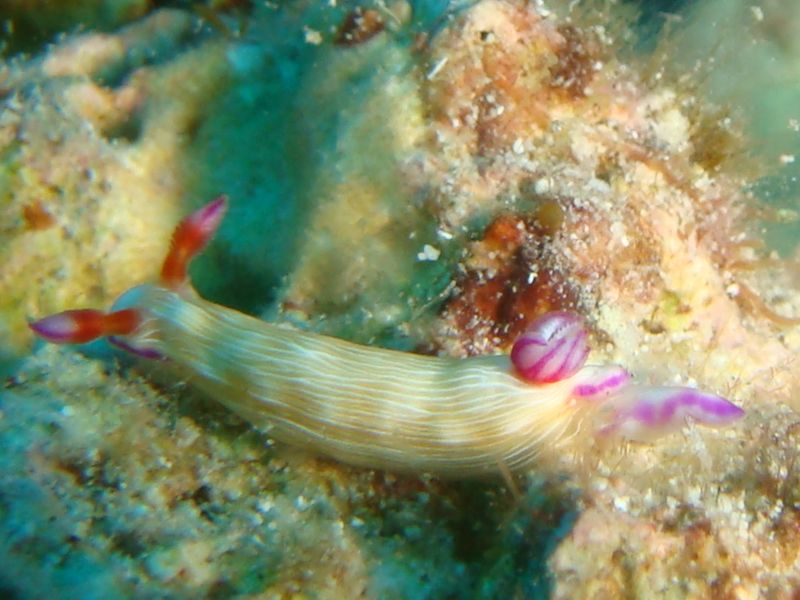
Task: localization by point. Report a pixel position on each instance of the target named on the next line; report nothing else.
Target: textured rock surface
(400, 179)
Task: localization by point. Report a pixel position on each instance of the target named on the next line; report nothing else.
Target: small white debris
(694, 495)
(518, 147)
(672, 128)
(618, 231)
(794, 125)
(622, 503)
(732, 290)
(758, 13)
(542, 186)
(786, 159)
(444, 235)
(312, 36)
(429, 253)
(265, 505)
(436, 68)
(302, 503)
(543, 11)
(598, 185)
(356, 522)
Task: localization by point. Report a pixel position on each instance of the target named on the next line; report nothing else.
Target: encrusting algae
(465, 176)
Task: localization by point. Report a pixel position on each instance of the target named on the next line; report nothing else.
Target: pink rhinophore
(190, 237)
(123, 323)
(83, 325)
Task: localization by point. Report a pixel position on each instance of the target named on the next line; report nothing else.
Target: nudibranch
(381, 408)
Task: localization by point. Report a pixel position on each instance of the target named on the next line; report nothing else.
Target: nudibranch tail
(122, 325)
(642, 413)
(189, 239)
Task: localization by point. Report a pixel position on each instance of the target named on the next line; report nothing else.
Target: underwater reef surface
(410, 175)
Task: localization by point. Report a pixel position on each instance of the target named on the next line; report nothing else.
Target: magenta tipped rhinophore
(72, 326)
(190, 238)
(57, 328)
(207, 219)
(554, 347)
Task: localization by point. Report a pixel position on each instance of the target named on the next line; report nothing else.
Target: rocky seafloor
(419, 176)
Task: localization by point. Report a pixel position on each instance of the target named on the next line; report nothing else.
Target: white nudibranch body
(381, 408)
(362, 405)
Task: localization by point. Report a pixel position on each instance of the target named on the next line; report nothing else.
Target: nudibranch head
(127, 326)
(138, 341)
(553, 347)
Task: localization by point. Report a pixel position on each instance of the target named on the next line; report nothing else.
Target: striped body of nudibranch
(361, 405)
(382, 408)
